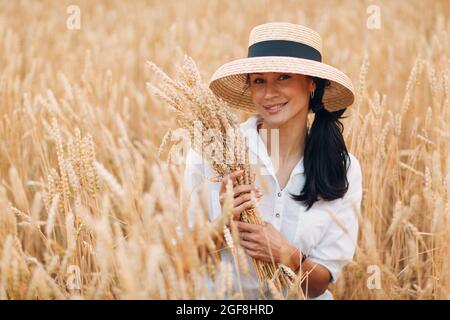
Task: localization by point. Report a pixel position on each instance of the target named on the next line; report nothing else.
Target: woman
(314, 185)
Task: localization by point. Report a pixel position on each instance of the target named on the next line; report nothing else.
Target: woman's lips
(275, 108)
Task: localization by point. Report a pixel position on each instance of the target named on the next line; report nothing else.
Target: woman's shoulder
(354, 166)
(354, 177)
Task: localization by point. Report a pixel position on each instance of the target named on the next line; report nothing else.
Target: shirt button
(277, 215)
(279, 194)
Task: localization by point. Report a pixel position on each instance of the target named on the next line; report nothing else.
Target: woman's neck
(291, 138)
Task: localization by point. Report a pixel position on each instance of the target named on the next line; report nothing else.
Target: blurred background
(86, 205)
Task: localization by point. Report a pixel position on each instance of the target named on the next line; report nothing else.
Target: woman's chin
(275, 120)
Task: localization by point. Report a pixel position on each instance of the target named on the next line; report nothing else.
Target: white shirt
(319, 232)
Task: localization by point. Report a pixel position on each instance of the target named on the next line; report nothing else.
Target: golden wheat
(87, 207)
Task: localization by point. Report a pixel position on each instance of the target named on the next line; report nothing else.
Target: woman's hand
(242, 197)
(264, 242)
(242, 200)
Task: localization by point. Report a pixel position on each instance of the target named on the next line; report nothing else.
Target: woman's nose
(271, 91)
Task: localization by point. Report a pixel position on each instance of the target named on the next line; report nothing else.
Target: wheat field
(88, 210)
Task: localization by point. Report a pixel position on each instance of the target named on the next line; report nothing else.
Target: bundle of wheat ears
(215, 135)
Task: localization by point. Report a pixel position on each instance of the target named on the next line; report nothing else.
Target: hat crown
(285, 31)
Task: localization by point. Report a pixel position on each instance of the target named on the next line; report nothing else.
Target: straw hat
(281, 47)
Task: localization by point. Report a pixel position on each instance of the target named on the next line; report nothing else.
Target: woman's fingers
(240, 190)
(233, 176)
(240, 204)
(247, 188)
(241, 208)
(241, 193)
(249, 245)
(241, 199)
(247, 236)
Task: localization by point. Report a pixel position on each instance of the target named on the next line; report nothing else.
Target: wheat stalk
(195, 106)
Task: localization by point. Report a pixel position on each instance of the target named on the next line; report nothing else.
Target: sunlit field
(90, 210)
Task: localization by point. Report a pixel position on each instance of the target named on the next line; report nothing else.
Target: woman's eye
(260, 80)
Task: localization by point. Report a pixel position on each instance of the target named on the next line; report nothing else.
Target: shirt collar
(257, 146)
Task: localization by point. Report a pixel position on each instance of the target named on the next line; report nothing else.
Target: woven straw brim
(228, 82)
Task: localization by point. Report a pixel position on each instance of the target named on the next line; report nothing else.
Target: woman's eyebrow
(275, 73)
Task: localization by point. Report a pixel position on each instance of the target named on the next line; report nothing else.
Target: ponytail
(325, 156)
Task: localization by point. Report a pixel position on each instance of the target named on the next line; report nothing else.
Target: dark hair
(325, 158)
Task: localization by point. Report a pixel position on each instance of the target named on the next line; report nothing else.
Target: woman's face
(279, 97)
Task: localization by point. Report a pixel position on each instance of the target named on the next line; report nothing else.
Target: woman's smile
(274, 108)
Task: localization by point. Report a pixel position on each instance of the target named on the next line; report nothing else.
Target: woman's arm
(264, 242)
(318, 278)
